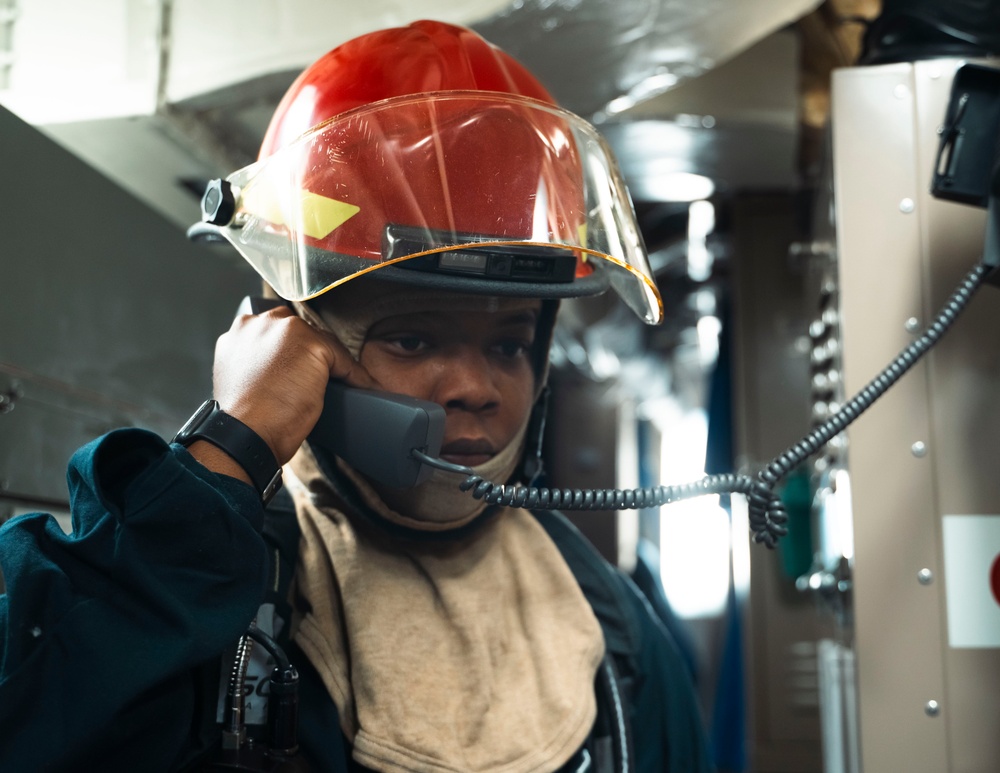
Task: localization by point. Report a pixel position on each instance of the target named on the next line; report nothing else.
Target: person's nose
(467, 383)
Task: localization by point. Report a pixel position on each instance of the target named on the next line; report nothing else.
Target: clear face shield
(475, 191)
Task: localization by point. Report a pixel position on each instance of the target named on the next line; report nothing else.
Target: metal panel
(108, 314)
(898, 621)
(772, 412)
(929, 447)
(964, 446)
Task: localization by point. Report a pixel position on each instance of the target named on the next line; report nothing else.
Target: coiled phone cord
(766, 512)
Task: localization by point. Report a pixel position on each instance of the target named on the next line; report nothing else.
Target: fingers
(271, 372)
(342, 366)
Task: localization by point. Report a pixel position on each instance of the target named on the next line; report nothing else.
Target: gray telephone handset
(373, 431)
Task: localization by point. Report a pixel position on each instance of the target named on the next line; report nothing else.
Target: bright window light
(694, 557)
(701, 223)
(709, 329)
(695, 533)
(681, 186)
(741, 545)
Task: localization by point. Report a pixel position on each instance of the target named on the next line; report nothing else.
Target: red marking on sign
(995, 579)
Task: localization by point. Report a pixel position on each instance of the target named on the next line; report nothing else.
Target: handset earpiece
(376, 433)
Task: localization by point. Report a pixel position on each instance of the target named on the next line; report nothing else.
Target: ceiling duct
(600, 58)
(163, 95)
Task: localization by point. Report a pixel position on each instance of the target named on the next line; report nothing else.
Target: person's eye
(408, 343)
(512, 348)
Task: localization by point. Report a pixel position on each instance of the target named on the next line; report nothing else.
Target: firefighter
(418, 210)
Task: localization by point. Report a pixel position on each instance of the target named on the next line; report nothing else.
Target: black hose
(274, 649)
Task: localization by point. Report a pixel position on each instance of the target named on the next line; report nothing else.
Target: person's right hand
(271, 372)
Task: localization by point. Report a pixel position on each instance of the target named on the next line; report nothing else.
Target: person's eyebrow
(526, 317)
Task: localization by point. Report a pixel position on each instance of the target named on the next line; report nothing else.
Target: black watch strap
(246, 447)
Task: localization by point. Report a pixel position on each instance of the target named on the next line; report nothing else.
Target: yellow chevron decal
(314, 215)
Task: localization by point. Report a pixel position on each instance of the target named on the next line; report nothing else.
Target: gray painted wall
(108, 315)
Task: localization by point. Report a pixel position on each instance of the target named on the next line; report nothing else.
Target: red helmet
(427, 56)
(432, 156)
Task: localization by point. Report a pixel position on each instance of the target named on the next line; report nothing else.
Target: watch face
(245, 446)
(183, 436)
(272, 488)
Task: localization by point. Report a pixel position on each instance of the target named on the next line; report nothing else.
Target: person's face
(477, 365)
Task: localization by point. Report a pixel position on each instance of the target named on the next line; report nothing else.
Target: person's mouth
(468, 452)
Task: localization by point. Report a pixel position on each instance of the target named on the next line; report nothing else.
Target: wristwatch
(245, 446)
